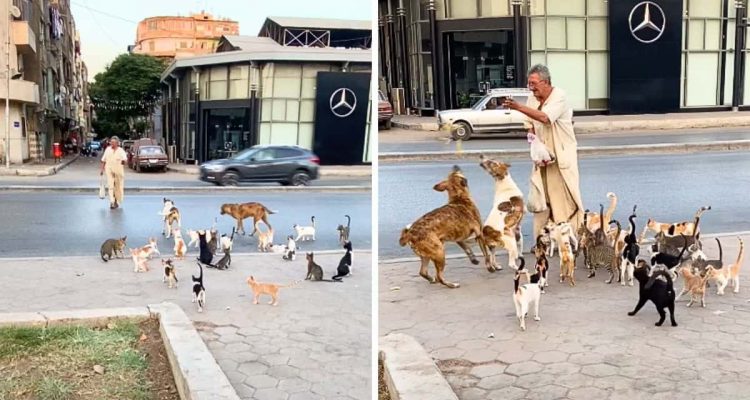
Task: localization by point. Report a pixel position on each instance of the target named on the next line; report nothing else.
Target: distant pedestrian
(113, 160)
(554, 189)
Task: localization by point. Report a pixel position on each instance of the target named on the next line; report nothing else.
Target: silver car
(487, 115)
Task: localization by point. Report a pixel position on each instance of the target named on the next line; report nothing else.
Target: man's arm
(532, 113)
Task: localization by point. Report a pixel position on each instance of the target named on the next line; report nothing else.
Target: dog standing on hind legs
(502, 228)
(458, 221)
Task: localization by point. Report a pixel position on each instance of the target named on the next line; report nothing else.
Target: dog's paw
(659, 323)
(537, 319)
(475, 261)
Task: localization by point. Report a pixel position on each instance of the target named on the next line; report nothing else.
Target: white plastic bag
(102, 189)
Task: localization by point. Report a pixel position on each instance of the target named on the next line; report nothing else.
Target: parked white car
(482, 117)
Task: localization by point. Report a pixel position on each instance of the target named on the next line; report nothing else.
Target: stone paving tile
(585, 347)
(308, 327)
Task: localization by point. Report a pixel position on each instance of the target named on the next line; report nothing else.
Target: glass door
(228, 131)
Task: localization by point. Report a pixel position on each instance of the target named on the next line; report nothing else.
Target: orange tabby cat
(270, 289)
(731, 273)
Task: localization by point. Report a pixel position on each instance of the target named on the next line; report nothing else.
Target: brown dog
(458, 221)
(258, 211)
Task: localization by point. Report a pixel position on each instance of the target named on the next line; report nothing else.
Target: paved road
(36, 224)
(585, 346)
(668, 188)
(85, 172)
(315, 345)
(417, 141)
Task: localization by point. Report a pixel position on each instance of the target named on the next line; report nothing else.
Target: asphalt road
(47, 224)
(437, 141)
(667, 188)
(85, 172)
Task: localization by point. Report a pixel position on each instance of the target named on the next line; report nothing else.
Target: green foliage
(131, 80)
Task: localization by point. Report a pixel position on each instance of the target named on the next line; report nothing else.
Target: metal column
(401, 13)
(436, 84)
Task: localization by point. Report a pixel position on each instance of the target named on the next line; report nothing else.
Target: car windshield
(480, 103)
(244, 155)
(151, 150)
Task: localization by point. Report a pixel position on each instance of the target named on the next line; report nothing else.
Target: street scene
(188, 155)
(582, 127)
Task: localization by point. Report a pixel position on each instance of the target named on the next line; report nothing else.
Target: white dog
(305, 232)
(505, 190)
(525, 296)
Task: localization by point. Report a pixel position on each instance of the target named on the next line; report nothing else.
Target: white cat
(305, 232)
(290, 251)
(525, 296)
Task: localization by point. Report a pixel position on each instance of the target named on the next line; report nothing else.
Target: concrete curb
(280, 189)
(410, 373)
(659, 148)
(584, 127)
(51, 170)
(323, 171)
(196, 373)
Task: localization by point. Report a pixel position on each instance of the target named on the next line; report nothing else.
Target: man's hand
(511, 104)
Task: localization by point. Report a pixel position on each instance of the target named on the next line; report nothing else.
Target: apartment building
(41, 50)
(176, 37)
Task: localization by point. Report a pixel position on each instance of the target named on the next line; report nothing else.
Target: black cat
(345, 263)
(660, 292)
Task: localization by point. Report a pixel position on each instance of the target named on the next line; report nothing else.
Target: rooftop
(322, 23)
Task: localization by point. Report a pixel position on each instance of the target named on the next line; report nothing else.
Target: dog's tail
(405, 236)
(269, 211)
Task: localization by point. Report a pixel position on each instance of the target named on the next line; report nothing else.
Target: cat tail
(348, 221)
(102, 254)
(337, 278)
(293, 284)
(655, 275)
(721, 255)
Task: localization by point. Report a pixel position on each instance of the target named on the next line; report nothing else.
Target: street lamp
(12, 12)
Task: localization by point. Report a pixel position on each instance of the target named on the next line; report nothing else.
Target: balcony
(23, 91)
(24, 37)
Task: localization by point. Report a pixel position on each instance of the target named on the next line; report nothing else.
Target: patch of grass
(53, 389)
(58, 363)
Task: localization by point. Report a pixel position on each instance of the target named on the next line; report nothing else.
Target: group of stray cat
(676, 249)
(206, 241)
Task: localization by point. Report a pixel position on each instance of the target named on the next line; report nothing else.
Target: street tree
(125, 93)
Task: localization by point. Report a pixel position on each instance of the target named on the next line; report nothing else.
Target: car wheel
(164, 169)
(387, 125)
(300, 178)
(461, 131)
(230, 179)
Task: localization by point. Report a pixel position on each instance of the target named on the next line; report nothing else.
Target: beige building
(176, 37)
(48, 83)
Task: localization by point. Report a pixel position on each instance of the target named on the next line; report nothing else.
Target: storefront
(258, 91)
(682, 58)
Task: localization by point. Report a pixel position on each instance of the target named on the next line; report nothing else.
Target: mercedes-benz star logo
(651, 26)
(343, 102)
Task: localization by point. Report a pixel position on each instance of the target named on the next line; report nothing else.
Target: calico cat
(344, 268)
(169, 273)
(111, 247)
(315, 271)
(270, 289)
(290, 252)
(344, 230)
(199, 291)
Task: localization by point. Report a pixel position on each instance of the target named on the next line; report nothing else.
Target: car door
(518, 118)
(493, 120)
(256, 166)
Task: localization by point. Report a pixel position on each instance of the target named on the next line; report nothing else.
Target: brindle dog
(458, 221)
(258, 211)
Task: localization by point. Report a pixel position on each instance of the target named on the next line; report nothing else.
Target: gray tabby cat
(111, 247)
(314, 271)
(603, 255)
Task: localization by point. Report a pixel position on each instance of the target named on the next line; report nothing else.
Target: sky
(108, 27)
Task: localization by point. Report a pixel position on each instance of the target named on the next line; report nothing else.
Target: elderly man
(554, 192)
(113, 160)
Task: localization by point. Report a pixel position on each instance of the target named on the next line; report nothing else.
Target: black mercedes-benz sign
(341, 117)
(645, 41)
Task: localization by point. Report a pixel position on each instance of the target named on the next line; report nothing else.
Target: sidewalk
(296, 350)
(325, 170)
(608, 123)
(584, 347)
(46, 168)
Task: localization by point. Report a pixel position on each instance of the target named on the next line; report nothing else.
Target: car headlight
(213, 167)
